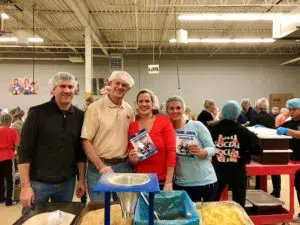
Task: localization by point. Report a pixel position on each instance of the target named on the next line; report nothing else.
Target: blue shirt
(196, 171)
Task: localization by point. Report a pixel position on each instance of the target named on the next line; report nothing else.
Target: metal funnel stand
(128, 187)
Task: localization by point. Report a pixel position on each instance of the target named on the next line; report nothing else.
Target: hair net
(231, 110)
(123, 75)
(176, 99)
(60, 76)
(293, 103)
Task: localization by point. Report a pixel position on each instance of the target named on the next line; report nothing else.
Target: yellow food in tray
(96, 217)
(221, 214)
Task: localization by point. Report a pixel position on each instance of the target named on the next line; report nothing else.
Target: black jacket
(234, 146)
(50, 142)
(263, 118)
(294, 143)
(204, 117)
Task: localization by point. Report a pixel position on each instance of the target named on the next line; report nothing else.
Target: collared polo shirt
(106, 126)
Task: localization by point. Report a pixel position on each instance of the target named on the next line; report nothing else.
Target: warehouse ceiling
(140, 27)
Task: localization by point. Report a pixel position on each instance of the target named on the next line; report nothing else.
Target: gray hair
(62, 76)
(176, 99)
(123, 75)
(5, 119)
(262, 104)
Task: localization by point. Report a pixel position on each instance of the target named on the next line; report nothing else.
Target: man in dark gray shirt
(50, 148)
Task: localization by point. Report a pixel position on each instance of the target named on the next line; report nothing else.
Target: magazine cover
(143, 143)
(183, 140)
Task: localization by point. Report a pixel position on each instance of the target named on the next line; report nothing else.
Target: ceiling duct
(116, 62)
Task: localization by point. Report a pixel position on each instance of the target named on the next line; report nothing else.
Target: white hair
(123, 75)
(245, 101)
(262, 104)
(62, 76)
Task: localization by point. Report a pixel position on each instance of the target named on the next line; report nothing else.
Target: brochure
(143, 143)
(183, 140)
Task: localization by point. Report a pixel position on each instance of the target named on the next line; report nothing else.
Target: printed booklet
(143, 143)
(183, 140)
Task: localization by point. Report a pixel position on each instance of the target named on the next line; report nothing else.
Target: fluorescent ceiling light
(35, 39)
(8, 39)
(227, 40)
(76, 59)
(227, 17)
(172, 40)
(4, 16)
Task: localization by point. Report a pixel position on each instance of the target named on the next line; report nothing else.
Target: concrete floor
(8, 215)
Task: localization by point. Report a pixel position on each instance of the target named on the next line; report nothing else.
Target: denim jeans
(93, 176)
(62, 192)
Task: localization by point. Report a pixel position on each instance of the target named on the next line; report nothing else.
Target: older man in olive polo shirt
(105, 132)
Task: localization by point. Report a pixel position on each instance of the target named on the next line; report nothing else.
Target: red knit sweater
(8, 139)
(163, 137)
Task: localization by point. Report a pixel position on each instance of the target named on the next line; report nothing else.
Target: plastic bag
(172, 208)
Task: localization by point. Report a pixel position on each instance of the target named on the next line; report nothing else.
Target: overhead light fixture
(35, 39)
(227, 40)
(182, 36)
(228, 17)
(4, 16)
(8, 39)
(76, 59)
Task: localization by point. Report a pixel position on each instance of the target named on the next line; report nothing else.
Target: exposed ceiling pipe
(290, 61)
(82, 13)
(136, 32)
(205, 53)
(30, 59)
(229, 5)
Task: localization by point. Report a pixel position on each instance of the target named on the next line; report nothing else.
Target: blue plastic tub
(172, 208)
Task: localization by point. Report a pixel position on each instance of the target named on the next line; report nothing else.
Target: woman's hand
(133, 156)
(195, 150)
(168, 186)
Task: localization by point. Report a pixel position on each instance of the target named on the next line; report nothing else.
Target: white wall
(217, 79)
(43, 72)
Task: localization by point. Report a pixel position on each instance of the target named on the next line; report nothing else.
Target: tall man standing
(105, 132)
(50, 147)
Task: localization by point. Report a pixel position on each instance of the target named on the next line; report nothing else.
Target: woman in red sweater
(9, 139)
(162, 134)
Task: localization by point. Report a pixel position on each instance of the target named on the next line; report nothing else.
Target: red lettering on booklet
(227, 148)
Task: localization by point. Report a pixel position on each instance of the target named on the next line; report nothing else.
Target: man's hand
(195, 150)
(133, 156)
(106, 169)
(27, 197)
(81, 188)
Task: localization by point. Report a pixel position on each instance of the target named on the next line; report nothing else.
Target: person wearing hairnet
(195, 174)
(234, 146)
(292, 128)
(161, 132)
(50, 149)
(105, 132)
